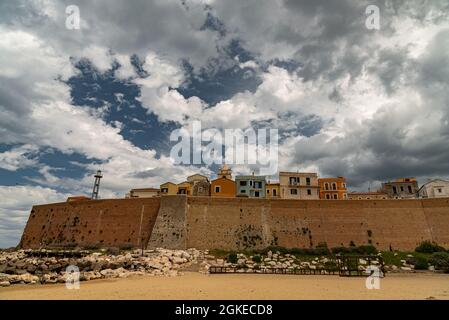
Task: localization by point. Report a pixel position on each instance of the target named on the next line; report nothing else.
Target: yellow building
(377, 195)
(168, 188)
(143, 193)
(273, 190)
(184, 188)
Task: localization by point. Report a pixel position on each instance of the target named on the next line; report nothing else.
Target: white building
(437, 188)
(143, 193)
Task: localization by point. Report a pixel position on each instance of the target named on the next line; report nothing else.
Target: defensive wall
(239, 223)
(99, 223)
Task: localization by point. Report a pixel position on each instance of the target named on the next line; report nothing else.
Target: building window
(344, 185)
(440, 190)
(326, 186)
(243, 183)
(409, 189)
(274, 192)
(293, 180)
(334, 186)
(293, 191)
(258, 184)
(164, 190)
(328, 196)
(308, 181)
(243, 191)
(335, 196)
(217, 189)
(395, 191)
(402, 189)
(309, 192)
(268, 191)
(200, 189)
(257, 194)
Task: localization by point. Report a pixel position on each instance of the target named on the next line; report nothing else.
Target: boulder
(107, 272)
(178, 260)
(28, 278)
(55, 267)
(31, 268)
(185, 255)
(155, 265)
(406, 268)
(4, 284)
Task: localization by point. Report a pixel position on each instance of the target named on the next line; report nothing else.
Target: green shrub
(113, 251)
(367, 249)
(126, 246)
(420, 263)
(440, 260)
(429, 247)
(257, 259)
(232, 257)
(364, 249)
(92, 247)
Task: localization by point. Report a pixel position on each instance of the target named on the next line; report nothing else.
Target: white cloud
(18, 158)
(44, 117)
(15, 208)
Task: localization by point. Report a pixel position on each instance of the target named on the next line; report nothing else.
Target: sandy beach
(193, 285)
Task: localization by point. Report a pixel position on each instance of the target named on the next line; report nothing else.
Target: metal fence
(298, 271)
(344, 266)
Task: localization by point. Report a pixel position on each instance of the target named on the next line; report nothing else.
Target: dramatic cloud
(367, 104)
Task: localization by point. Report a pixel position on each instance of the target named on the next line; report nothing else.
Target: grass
(391, 259)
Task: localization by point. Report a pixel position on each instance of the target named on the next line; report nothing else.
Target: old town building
(298, 185)
(403, 188)
(333, 188)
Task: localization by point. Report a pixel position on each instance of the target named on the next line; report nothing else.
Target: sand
(193, 285)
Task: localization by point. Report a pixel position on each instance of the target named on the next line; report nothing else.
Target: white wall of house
(435, 189)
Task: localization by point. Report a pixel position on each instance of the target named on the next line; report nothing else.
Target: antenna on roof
(96, 189)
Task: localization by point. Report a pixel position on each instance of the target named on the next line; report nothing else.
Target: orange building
(77, 198)
(333, 188)
(222, 187)
(273, 190)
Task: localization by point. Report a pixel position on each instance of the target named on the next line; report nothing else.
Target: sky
(368, 104)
